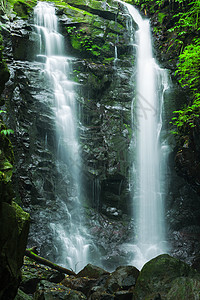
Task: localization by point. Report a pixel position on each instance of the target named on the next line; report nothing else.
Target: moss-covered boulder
(184, 288)
(158, 276)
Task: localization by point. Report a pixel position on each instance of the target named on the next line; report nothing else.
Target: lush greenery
(188, 74)
(20, 7)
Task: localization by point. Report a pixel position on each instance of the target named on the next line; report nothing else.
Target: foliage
(188, 67)
(5, 131)
(187, 26)
(152, 6)
(8, 6)
(187, 118)
(81, 41)
(188, 21)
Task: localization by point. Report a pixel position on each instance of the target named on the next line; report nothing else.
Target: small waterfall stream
(151, 81)
(70, 236)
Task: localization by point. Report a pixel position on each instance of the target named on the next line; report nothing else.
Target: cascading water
(148, 172)
(70, 236)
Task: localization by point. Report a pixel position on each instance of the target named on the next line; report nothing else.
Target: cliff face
(96, 35)
(14, 222)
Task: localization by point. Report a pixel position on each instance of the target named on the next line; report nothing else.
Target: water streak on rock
(70, 236)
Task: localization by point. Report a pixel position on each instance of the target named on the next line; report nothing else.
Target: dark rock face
(14, 222)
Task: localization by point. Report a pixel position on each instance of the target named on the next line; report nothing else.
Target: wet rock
(92, 271)
(21, 34)
(124, 295)
(101, 295)
(123, 278)
(56, 277)
(46, 290)
(33, 273)
(82, 284)
(187, 165)
(22, 296)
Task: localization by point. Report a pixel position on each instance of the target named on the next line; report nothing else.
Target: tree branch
(31, 254)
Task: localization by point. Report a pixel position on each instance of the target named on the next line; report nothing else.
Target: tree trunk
(31, 254)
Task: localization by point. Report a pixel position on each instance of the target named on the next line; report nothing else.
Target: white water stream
(148, 173)
(70, 236)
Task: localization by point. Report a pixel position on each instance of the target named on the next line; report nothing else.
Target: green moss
(108, 60)
(21, 216)
(76, 43)
(6, 166)
(23, 8)
(184, 289)
(91, 3)
(158, 275)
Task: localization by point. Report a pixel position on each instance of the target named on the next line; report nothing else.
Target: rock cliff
(14, 222)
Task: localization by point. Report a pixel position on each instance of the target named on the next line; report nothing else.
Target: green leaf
(7, 131)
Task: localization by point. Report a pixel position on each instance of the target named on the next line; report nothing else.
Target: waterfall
(148, 171)
(70, 236)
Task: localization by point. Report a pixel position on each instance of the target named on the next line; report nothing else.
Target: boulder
(158, 275)
(22, 296)
(101, 295)
(92, 272)
(123, 278)
(33, 273)
(49, 291)
(184, 288)
(82, 284)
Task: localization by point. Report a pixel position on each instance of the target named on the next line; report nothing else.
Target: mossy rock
(92, 36)
(157, 277)
(49, 290)
(23, 8)
(184, 289)
(22, 296)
